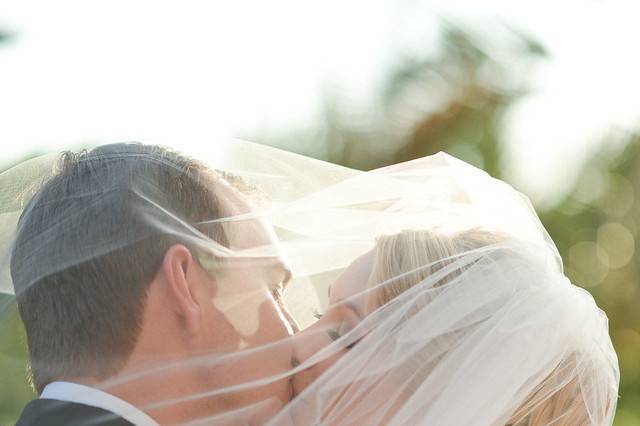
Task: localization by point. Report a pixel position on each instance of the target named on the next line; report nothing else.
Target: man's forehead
(255, 238)
(251, 232)
(248, 230)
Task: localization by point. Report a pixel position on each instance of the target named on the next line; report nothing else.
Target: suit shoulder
(51, 412)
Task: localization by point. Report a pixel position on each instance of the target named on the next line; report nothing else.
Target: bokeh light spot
(591, 261)
(618, 242)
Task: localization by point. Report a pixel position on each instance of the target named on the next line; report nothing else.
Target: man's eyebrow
(287, 277)
(287, 273)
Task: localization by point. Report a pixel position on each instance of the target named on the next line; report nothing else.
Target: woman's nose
(310, 341)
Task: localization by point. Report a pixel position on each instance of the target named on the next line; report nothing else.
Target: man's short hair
(84, 255)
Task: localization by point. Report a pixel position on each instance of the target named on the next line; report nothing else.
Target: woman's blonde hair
(406, 259)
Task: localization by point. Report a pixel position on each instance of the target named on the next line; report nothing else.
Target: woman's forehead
(354, 279)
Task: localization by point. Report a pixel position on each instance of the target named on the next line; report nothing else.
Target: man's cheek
(241, 309)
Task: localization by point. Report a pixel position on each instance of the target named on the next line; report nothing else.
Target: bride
(456, 310)
(455, 328)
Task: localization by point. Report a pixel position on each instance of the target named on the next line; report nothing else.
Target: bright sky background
(188, 73)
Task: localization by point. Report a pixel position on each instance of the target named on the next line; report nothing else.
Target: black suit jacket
(51, 412)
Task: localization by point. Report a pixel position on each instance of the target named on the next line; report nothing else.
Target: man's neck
(161, 395)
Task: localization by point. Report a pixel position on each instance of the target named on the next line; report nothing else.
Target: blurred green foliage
(15, 391)
(455, 102)
(596, 231)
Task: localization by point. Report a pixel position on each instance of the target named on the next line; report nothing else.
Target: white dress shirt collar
(81, 394)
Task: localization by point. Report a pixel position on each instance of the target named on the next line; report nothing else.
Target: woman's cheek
(306, 377)
(321, 367)
(328, 363)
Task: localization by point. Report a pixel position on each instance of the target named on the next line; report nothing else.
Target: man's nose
(295, 328)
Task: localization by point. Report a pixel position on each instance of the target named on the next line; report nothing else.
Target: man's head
(106, 265)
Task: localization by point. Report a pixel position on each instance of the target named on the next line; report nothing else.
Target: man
(127, 286)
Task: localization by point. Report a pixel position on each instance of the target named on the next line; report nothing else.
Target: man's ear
(177, 267)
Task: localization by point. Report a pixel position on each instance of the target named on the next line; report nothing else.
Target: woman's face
(347, 304)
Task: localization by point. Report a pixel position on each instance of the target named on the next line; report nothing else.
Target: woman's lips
(292, 391)
(301, 381)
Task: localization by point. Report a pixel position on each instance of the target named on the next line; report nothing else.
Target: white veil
(443, 299)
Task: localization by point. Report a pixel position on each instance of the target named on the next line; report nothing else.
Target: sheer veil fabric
(427, 292)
